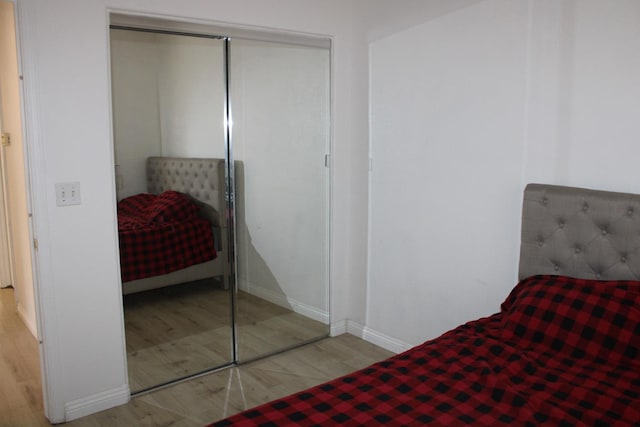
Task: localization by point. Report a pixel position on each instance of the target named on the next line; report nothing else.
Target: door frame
(32, 176)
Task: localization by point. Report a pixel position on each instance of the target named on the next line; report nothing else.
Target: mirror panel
(168, 97)
(280, 105)
(169, 104)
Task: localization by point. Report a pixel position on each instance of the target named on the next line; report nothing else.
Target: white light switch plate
(67, 193)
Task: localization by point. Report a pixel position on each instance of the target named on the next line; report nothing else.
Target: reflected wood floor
(176, 331)
(196, 402)
(185, 329)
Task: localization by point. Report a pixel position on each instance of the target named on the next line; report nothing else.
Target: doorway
(234, 130)
(14, 162)
(19, 325)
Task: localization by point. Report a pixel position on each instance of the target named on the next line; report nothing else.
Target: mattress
(560, 352)
(159, 234)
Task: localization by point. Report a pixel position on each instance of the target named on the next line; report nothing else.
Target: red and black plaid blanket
(160, 234)
(561, 352)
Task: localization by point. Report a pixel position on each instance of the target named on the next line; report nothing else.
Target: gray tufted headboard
(202, 179)
(580, 233)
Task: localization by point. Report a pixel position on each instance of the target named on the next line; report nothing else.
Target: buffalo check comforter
(561, 352)
(162, 233)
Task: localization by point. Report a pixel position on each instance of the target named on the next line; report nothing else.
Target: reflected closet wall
(237, 123)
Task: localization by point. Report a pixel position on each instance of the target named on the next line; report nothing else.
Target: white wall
(168, 100)
(136, 115)
(468, 107)
(373, 19)
(191, 96)
(280, 101)
(446, 123)
(585, 94)
(65, 48)
(14, 162)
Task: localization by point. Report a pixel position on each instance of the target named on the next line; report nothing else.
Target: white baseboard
(385, 341)
(346, 326)
(370, 335)
(355, 328)
(29, 322)
(286, 302)
(338, 328)
(96, 403)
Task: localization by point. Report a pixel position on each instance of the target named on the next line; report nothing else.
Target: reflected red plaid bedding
(160, 234)
(561, 352)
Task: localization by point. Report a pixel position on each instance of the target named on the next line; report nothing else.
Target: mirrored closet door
(168, 97)
(280, 105)
(230, 133)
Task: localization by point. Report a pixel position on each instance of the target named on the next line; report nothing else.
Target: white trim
(96, 403)
(385, 341)
(306, 310)
(114, 193)
(355, 329)
(367, 279)
(6, 226)
(369, 335)
(208, 28)
(347, 326)
(328, 250)
(338, 328)
(46, 318)
(28, 321)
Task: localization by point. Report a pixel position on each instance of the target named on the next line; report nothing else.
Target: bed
(175, 233)
(563, 350)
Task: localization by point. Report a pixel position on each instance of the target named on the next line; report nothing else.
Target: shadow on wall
(254, 274)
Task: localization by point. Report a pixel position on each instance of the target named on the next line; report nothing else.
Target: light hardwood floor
(185, 329)
(196, 402)
(20, 389)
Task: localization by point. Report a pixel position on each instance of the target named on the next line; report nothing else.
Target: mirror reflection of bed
(178, 323)
(173, 243)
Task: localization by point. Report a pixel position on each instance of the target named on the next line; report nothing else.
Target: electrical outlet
(67, 193)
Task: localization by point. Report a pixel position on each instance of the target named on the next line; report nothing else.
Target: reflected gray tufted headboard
(202, 179)
(580, 233)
